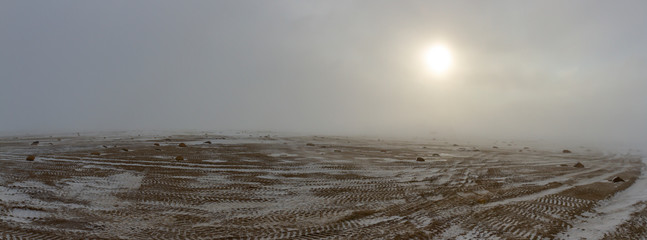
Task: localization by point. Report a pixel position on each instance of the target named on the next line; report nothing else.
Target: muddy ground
(274, 187)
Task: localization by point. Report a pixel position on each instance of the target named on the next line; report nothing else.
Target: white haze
(550, 70)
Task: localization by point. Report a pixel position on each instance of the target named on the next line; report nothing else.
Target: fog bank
(550, 70)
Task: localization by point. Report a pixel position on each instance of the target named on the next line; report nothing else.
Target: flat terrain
(273, 187)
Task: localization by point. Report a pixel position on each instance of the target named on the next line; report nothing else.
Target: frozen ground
(253, 185)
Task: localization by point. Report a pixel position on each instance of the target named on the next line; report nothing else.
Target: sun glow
(438, 59)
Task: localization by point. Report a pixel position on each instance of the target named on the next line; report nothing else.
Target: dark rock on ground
(156, 144)
(310, 144)
(617, 179)
(95, 153)
(419, 159)
(35, 143)
(31, 158)
(182, 145)
(435, 155)
(208, 142)
(578, 165)
(566, 151)
(179, 158)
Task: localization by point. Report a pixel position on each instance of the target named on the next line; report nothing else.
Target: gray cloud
(551, 69)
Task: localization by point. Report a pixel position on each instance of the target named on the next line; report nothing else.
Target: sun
(438, 59)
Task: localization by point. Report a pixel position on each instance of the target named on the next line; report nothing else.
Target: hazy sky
(541, 69)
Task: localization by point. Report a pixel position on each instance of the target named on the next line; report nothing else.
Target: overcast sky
(538, 70)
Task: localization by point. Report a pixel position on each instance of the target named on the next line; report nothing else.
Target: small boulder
(419, 159)
(495, 147)
(617, 179)
(179, 158)
(158, 149)
(337, 150)
(95, 153)
(435, 155)
(578, 165)
(104, 146)
(35, 143)
(566, 151)
(124, 149)
(31, 158)
(208, 142)
(182, 145)
(156, 144)
(310, 144)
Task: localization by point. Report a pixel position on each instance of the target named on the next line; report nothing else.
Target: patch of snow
(452, 232)
(270, 176)
(610, 213)
(11, 195)
(282, 155)
(376, 220)
(23, 215)
(99, 191)
(436, 197)
(215, 161)
(443, 179)
(482, 192)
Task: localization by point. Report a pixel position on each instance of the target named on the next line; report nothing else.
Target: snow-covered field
(273, 187)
